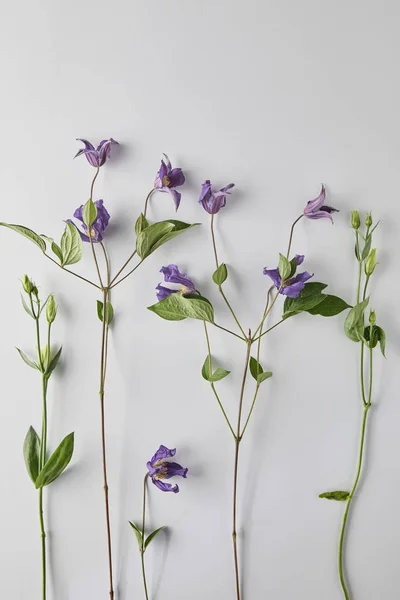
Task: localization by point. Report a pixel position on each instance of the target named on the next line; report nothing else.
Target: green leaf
(213, 377)
(28, 233)
(141, 224)
(255, 368)
(329, 307)
(367, 247)
(89, 213)
(220, 275)
(57, 462)
(27, 360)
(147, 239)
(179, 227)
(109, 312)
(31, 453)
(378, 335)
(382, 340)
(177, 307)
(55, 248)
(26, 307)
(284, 267)
(354, 322)
(340, 496)
(71, 245)
(53, 363)
(151, 536)
(263, 376)
(138, 534)
(309, 297)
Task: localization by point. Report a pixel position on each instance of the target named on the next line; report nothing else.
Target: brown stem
(236, 468)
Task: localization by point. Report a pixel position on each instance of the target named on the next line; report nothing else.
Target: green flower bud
(355, 219)
(371, 262)
(51, 309)
(368, 220)
(372, 317)
(27, 284)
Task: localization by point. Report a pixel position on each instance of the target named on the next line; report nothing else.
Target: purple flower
(212, 202)
(316, 209)
(96, 156)
(292, 287)
(168, 179)
(160, 469)
(98, 227)
(173, 275)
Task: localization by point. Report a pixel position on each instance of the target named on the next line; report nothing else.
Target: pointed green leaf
(329, 307)
(309, 298)
(340, 496)
(57, 462)
(179, 227)
(220, 275)
(26, 307)
(213, 377)
(55, 248)
(147, 239)
(109, 312)
(31, 453)
(263, 376)
(27, 360)
(89, 213)
(28, 233)
(354, 322)
(138, 534)
(367, 247)
(255, 368)
(382, 340)
(151, 536)
(71, 245)
(141, 224)
(284, 267)
(53, 363)
(177, 307)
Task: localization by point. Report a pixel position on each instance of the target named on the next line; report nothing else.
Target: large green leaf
(31, 453)
(179, 227)
(57, 462)
(329, 307)
(148, 237)
(71, 245)
(354, 322)
(28, 233)
(309, 298)
(177, 307)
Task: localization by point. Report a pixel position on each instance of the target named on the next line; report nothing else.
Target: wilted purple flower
(293, 286)
(211, 201)
(168, 179)
(96, 156)
(160, 469)
(98, 227)
(316, 209)
(173, 275)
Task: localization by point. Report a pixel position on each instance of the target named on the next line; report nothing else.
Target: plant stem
(291, 234)
(72, 273)
(236, 468)
(229, 331)
(146, 202)
(112, 285)
(142, 550)
(221, 291)
(42, 460)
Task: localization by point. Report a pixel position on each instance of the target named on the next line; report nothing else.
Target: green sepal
(213, 377)
(31, 453)
(339, 495)
(28, 233)
(177, 307)
(220, 275)
(57, 462)
(109, 312)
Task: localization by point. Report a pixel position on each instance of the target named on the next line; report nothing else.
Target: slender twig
(229, 331)
(146, 202)
(236, 468)
(72, 272)
(142, 550)
(268, 330)
(107, 262)
(125, 276)
(291, 234)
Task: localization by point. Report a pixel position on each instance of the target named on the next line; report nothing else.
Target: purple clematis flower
(168, 179)
(96, 156)
(99, 225)
(316, 209)
(160, 469)
(173, 275)
(212, 202)
(293, 286)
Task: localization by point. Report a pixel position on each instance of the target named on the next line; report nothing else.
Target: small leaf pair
(139, 537)
(54, 466)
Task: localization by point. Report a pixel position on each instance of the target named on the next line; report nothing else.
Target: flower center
(166, 181)
(161, 473)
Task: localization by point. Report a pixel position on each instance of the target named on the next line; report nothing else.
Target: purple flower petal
(162, 453)
(163, 292)
(274, 275)
(299, 259)
(173, 275)
(166, 487)
(98, 227)
(211, 201)
(96, 156)
(295, 285)
(316, 209)
(173, 469)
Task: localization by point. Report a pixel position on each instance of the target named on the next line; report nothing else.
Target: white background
(276, 97)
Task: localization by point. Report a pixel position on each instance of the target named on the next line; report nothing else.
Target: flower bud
(371, 262)
(51, 309)
(355, 219)
(372, 317)
(368, 220)
(27, 284)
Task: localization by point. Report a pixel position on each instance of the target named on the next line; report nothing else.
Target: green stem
(72, 273)
(268, 330)
(291, 234)
(42, 460)
(142, 550)
(146, 202)
(112, 285)
(229, 331)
